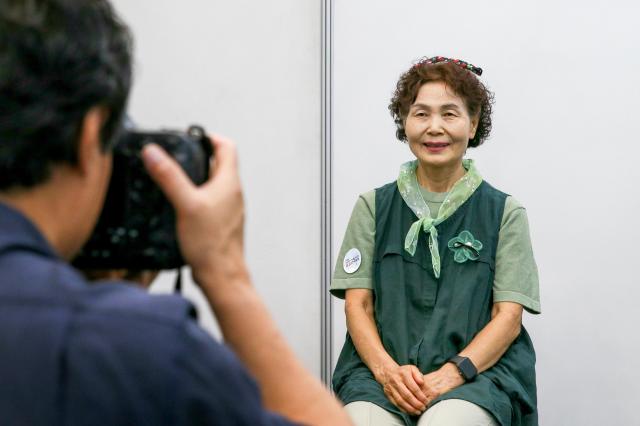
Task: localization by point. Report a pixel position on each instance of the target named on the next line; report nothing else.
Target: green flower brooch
(465, 247)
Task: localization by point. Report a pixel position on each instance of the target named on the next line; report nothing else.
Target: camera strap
(178, 286)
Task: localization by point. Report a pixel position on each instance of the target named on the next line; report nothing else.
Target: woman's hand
(441, 381)
(402, 386)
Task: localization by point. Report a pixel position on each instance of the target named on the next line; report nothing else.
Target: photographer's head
(58, 58)
(65, 74)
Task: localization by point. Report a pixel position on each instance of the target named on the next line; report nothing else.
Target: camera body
(136, 229)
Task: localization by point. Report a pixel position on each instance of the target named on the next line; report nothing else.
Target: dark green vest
(424, 321)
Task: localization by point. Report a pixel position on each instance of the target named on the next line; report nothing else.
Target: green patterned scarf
(410, 192)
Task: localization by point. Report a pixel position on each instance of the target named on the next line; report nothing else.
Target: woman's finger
(391, 398)
(389, 393)
(414, 406)
(397, 400)
(414, 388)
(417, 375)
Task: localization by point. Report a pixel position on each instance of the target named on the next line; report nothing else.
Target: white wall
(249, 70)
(565, 144)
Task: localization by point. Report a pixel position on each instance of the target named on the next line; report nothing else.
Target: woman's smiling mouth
(435, 147)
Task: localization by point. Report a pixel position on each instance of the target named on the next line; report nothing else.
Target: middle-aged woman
(436, 268)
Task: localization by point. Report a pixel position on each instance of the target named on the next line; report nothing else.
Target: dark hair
(58, 58)
(477, 98)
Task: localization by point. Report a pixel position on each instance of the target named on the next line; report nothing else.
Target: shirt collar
(461, 191)
(18, 232)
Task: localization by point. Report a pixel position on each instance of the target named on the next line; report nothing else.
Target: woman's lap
(450, 412)
(364, 413)
(456, 412)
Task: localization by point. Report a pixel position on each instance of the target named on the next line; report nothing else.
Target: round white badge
(352, 261)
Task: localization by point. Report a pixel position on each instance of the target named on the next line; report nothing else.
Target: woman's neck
(439, 179)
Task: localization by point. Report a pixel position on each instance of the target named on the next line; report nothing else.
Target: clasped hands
(411, 391)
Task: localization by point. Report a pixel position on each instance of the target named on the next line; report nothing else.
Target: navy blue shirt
(75, 353)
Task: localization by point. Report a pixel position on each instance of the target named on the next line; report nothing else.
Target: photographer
(73, 353)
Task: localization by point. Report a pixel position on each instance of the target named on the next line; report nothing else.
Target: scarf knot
(428, 225)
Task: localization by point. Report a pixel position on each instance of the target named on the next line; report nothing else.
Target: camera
(136, 229)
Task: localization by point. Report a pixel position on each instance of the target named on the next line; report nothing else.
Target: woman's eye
(449, 114)
(420, 114)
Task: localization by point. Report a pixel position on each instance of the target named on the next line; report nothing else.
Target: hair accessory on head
(442, 59)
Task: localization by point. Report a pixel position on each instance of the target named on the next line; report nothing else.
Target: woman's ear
(474, 126)
(89, 141)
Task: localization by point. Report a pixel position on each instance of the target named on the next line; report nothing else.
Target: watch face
(467, 369)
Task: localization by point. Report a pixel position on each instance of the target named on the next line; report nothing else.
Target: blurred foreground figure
(74, 353)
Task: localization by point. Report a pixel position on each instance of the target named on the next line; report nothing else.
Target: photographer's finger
(167, 174)
(225, 155)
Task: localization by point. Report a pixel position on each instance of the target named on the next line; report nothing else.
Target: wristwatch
(467, 370)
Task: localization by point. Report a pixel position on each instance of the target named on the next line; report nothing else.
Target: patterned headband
(441, 59)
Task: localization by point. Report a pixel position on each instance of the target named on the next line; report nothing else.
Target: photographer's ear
(89, 143)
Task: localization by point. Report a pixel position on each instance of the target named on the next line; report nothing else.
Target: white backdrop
(251, 71)
(565, 144)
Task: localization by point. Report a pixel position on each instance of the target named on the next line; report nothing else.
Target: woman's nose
(434, 126)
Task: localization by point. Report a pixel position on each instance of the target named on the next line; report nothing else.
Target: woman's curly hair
(477, 98)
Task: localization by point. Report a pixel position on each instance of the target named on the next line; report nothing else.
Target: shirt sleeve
(215, 388)
(360, 235)
(516, 278)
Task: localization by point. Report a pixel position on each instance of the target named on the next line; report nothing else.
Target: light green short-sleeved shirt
(516, 274)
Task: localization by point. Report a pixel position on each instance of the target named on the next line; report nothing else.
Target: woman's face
(438, 126)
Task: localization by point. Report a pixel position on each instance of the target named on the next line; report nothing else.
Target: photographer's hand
(143, 278)
(210, 224)
(210, 218)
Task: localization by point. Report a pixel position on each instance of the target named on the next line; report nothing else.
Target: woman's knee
(364, 413)
(456, 412)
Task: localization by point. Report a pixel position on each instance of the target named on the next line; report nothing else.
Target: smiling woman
(434, 307)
